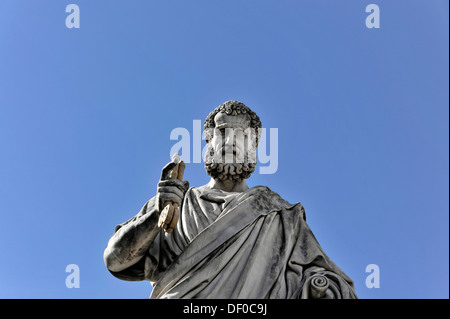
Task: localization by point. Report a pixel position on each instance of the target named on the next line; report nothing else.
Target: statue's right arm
(132, 239)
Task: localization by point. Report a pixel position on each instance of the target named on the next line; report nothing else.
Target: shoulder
(267, 192)
(275, 199)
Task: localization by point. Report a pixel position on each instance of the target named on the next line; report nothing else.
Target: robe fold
(250, 245)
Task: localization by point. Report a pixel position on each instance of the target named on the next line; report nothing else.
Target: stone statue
(224, 240)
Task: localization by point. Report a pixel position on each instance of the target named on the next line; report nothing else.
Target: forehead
(223, 120)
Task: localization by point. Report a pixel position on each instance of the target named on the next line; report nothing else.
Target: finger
(166, 170)
(170, 197)
(179, 189)
(171, 189)
(172, 182)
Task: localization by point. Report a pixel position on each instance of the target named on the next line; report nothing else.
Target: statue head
(232, 134)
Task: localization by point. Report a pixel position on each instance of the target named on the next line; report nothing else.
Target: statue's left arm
(321, 278)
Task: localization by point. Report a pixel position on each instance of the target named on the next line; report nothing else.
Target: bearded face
(231, 153)
(232, 131)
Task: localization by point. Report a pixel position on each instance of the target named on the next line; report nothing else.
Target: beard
(228, 171)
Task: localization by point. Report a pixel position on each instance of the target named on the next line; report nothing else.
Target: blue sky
(362, 117)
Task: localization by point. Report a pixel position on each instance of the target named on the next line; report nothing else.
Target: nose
(229, 139)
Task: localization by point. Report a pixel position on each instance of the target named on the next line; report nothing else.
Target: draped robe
(252, 244)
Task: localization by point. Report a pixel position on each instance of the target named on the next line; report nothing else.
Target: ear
(208, 133)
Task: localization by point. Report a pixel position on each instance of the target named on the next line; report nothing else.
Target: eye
(219, 132)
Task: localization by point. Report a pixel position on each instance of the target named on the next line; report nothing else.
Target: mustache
(228, 149)
(225, 156)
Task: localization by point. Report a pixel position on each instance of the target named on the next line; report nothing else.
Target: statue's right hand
(170, 189)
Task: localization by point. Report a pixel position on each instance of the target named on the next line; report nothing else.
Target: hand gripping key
(171, 213)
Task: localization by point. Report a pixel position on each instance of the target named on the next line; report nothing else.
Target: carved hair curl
(233, 108)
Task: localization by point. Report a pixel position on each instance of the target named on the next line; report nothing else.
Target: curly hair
(234, 108)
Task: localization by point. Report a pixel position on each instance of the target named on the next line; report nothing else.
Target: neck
(228, 186)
